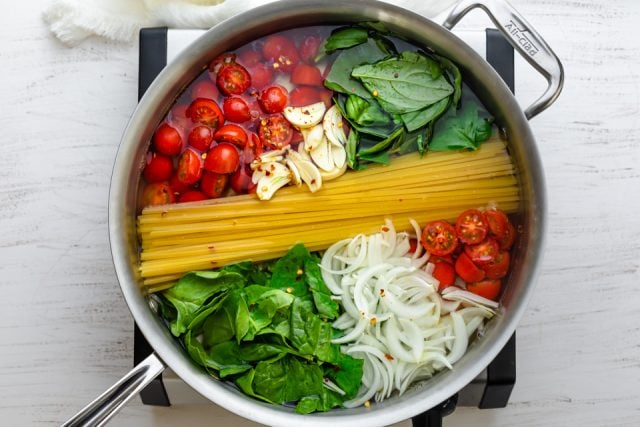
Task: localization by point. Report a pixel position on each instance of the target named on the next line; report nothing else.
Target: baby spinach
(272, 338)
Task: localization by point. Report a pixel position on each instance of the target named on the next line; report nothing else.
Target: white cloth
(72, 21)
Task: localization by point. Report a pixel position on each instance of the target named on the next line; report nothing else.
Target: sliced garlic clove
(339, 155)
(295, 174)
(313, 137)
(307, 116)
(275, 176)
(302, 151)
(309, 172)
(334, 173)
(321, 156)
(332, 125)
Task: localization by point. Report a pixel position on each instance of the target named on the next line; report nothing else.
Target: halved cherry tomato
(445, 274)
(253, 148)
(176, 186)
(498, 268)
(158, 168)
(157, 193)
(204, 89)
(241, 180)
(439, 238)
(467, 270)
(281, 51)
(471, 226)
(273, 99)
(488, 288)
(497, 222)
(305, 74)
(214, 185)
(167, 140)
(483, 252)
(189, 167)
(192, 196)
(236, 109)
(309, 48)
(261, 75)
(231, 133)
(447, 258)
(219, 61)
(221, 159)
(201, 137)
(249, 57)
(509, 237)
(205, 111)
(275, 132)
(233, 79)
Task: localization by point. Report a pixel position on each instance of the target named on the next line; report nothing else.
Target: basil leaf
(343, 38)
(382, 145)
(417, 119)
(455, 76)
(351, 148)
(406, 83)
(378, 131)
(365, 113)
(464, 130)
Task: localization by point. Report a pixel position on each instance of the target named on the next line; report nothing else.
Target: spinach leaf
(404, 83)
(287, 380)
(346, 372)
(326, 306)
(463, 130)
(339, 78)
(219, 327)
(343, 38)
(287, 272)
(222, 357)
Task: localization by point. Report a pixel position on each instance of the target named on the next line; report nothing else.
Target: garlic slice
(313, 137)
(295, 174)
(339, 155)
(274, 176)
(321, 155)
(305, 117)
(332, 125)
(309, 173)
(334, 173)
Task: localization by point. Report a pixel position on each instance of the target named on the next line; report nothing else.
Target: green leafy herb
(365, 113)
(463, 130)
(344, 38)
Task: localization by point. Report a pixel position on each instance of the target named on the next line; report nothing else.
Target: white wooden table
(65, 328)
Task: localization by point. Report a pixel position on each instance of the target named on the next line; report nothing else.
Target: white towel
(72, 21)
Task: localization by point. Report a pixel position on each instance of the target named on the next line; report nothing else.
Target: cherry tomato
(305, 74)
(439, 238)
(176, 186)
(497, 222)
(483, 252)
(233, 79)
(467, 270)
(253, 148)
(221, 60)
(488, 288)
(249, 57)
(471, 226)
(309, 48)
(189, 167)
(273, 99)
(241, 180)
(509, 237)
(167, 140)
(413, 245)
(214, 185)
(275, 132)
(498, 268)
(447, 258)
(223, 158)
(192, 196)
(306, 95)
(204, 89)
(205, 111)
(444, 273)
(281, 51)
(201, 137)
(236, 109)
(157, 193)
(231, 133)
(158, 168)
(261, 75)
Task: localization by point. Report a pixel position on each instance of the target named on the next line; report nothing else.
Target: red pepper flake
(381, 292)
(388, 356)
(211, 247)
(385, 228)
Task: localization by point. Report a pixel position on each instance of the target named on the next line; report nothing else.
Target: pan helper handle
(525, 39)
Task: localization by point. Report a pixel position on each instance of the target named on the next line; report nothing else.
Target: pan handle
(525, 39)
(100, 411)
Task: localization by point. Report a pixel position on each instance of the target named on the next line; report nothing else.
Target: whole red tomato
(222, 159)
(167, 140)
(273, 99)
(159, 168)
(201, 137)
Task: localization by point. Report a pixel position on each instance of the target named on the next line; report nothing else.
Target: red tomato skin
(471, 226)
(241, 180)
(413, 245)
(273, 99)
(221, 60)
(488, 288)
(499, 267)
(157, 193)
(205, 89)
(444, 273)
(222, 159)
(176, 186)
(213, 185)
(304, 95)
(233, 134)
(439, 238)
(192, 196)
(507, 241)
(159, 168)
(233, 79)
(189, 167)
(305, 74)
(236, 110)
(201, 138)
(483, 252)
(275, 132)
(309, 48)
(249, 57)
(467, 270)
(167, 140)
(253, 148)
(205, 111)
(281, 51)
(497, 222)
(261, 75)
